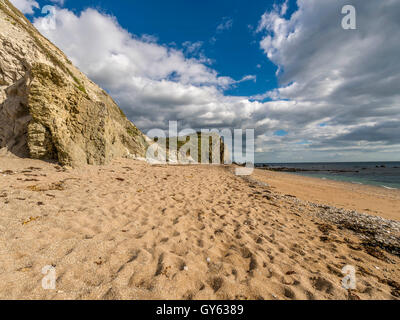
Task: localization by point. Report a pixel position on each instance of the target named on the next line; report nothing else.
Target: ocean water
(382, 174)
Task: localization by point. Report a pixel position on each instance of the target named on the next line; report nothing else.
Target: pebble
(379, 232)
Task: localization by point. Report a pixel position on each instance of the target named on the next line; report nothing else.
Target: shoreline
(299, 174)
(369, 199)
(384, 174)
(351, 182)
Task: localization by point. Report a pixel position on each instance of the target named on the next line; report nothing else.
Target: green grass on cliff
(78, 84)
(199, 149)
(133, 131)
(24, 23)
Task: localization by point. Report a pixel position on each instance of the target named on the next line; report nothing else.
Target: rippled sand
(134, 231)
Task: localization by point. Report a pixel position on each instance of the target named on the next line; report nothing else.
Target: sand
(362, 198)
(134, 231)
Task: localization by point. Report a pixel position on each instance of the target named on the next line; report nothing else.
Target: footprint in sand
(288, 293)
(200, 243)
(216, 283)
(322, 284)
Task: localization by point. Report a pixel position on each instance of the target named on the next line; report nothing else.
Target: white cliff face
(49, 109)
(207, 148)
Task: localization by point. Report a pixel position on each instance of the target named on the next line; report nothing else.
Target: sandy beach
(129, 230)
(362, 198)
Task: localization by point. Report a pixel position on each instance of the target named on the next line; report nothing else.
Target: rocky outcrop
(199, 148)
(49, 109)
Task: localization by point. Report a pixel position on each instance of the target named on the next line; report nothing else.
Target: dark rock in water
(294, 170)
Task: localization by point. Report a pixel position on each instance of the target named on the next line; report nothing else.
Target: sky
(311, 90)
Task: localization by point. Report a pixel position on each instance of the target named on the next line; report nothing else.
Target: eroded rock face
(49, 109)
(198, 148)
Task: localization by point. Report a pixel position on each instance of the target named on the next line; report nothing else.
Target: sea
(382, 174)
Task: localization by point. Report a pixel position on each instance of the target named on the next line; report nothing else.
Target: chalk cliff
(49, 109)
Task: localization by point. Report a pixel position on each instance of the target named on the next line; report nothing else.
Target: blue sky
(311, 90)
(233, 50)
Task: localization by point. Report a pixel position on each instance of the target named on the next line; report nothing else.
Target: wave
(389, 188)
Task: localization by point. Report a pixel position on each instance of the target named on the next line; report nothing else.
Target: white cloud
(192, 47)
(25, 6)
(59, 2)
(226, 24)
(101, 47)
(349, 81)
(151, 82)
(349, 78)
(195, 49)
(250, 77)
(284, 7)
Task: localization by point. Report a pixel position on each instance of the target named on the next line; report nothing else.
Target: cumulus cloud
(152, 83)
(102, 48)
(25, 6)
(195, 49)
(348, 79)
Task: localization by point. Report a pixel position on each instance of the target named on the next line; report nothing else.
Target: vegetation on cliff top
(24, 23)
